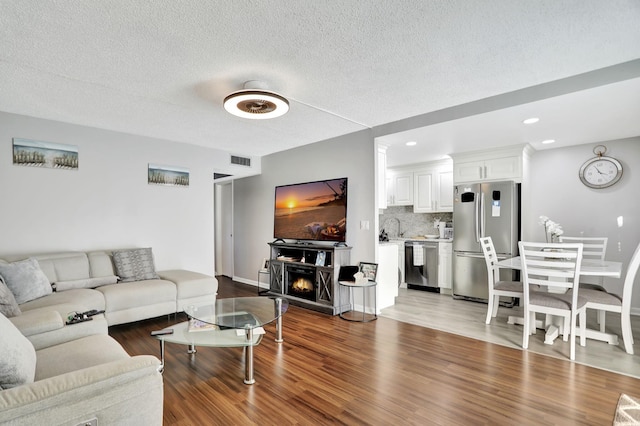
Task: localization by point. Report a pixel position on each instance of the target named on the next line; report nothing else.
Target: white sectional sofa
(52, 372)
(82, 281)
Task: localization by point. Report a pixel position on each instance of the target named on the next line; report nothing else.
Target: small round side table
(350, 285)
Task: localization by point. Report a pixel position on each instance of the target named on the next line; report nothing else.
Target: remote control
(92, 312)
(77, 319)
(162, 332)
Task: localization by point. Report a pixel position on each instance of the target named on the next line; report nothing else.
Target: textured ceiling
(161, 68)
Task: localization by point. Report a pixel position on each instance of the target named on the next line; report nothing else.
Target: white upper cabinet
(433, 188)
(502, 164)
(400, 188)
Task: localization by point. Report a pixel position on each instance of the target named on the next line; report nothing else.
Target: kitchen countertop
(402, 240)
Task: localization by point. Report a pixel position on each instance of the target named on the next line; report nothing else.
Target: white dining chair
(497, 287)
(593, 248)
(553, 265)
(608, 302)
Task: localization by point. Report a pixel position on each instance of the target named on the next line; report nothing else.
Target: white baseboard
(251, 282)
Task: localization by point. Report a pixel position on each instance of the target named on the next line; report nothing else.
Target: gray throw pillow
(25, 279)
(134, 265)
(8, 305)
(17, 356)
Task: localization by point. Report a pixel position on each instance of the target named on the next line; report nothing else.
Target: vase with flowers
(552, 230)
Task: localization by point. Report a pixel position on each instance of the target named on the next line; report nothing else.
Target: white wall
(107, 203)
(554, 190)
(350, 156)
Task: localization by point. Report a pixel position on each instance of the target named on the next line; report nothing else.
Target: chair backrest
(629, 279)
(491, 258)
(550, 265)
(592, 247)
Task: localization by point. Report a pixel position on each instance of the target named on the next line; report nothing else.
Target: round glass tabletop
(240, 312)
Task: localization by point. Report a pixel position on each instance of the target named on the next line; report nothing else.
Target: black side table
(350, 285)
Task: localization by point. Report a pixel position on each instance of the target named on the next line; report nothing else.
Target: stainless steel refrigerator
(490, 209)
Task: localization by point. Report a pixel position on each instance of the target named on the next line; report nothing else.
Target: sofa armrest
(127, 391)
(38, 321)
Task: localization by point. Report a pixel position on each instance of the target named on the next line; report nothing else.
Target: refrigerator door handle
(481, 216)
(474, 255)
(477, 218)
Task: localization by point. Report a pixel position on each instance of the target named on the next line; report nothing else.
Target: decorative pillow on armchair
(135, 265)
(25, 279)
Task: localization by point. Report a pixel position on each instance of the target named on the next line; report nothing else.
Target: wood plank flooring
(331, 371)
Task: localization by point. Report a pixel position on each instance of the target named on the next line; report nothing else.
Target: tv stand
(318, 265)
(278, 240)
(340, 244)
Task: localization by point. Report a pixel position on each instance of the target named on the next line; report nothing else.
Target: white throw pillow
(17, 356)
(25, 279)
(8, 305)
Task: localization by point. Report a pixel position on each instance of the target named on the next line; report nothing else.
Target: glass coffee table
(232, 322)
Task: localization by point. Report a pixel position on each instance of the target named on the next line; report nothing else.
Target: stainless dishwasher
(421, 265)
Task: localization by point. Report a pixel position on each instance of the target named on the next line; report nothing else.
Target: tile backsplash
(411, 224)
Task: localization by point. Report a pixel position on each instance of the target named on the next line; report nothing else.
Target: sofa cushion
(25, 279)
(85, 283)
(100, 264)
(134, 264)
(64, 266)
(190, 284)
(17, 356)
(77, 354)
(8, 305)
(123, 296)
(81, 299)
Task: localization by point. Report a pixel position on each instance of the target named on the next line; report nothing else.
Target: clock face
(600, 172)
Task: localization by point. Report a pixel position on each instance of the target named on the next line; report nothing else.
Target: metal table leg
(248, 362)
(279, 320)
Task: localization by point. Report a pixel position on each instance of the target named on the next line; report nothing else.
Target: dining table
(588, 268)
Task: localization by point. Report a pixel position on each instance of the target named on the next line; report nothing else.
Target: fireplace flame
(302, 285)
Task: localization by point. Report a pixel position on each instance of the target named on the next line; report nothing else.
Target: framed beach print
(27, 152)
(168, 175)
(369, 270)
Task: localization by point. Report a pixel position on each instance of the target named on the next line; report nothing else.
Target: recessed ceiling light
(412, 143)
(548, 141)
(531, 120)
(256, 103)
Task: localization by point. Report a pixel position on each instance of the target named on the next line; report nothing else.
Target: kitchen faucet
(399, 234)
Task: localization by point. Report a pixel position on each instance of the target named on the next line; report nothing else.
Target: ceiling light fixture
(411, 143)
(548, 141)
(254, 102)
(531, 120)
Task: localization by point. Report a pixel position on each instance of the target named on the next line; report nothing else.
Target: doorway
(224, 228)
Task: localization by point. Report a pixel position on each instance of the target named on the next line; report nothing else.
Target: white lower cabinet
(445, 264)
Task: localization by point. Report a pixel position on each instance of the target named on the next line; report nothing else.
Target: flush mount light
(548, 141)
(531, 120)
(255, 102)
(411, 143)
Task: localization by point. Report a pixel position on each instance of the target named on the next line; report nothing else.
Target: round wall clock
(600, 172)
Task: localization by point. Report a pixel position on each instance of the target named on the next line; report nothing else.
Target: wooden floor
(331, 371)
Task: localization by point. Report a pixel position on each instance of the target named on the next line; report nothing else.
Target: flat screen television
(312, 211)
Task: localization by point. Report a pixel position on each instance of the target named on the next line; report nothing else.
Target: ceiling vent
(241, 161)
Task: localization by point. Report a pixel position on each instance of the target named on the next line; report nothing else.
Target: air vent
(241, 161)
